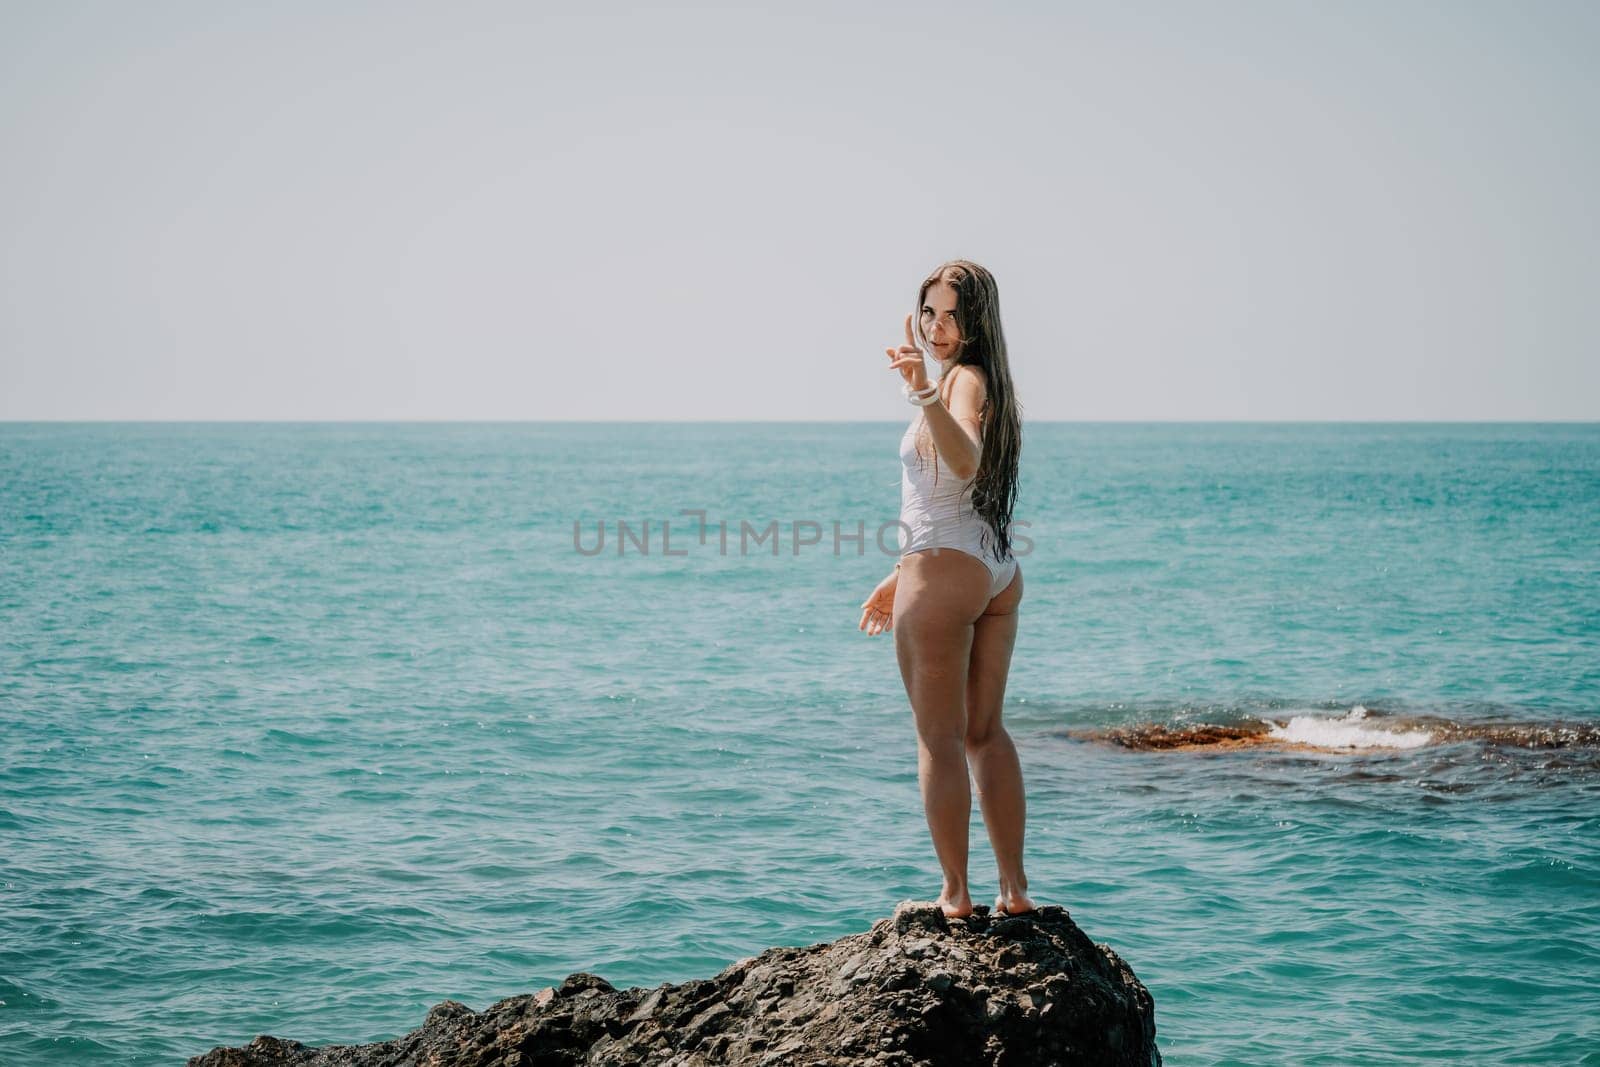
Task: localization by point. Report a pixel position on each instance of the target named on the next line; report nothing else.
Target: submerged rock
(916, 989)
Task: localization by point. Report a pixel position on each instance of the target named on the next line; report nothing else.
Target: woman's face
(939, 320)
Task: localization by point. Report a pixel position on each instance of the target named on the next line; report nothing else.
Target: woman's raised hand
(877, 611)
(907, 359)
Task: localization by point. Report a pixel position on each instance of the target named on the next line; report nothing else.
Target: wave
(1359, 729)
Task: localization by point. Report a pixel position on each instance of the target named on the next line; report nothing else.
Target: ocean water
(306, 728)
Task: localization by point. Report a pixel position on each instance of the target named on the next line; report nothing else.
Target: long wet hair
(983, 345)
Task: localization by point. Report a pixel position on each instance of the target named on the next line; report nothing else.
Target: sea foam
(1347, 731)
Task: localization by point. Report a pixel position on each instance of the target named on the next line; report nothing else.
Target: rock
(916, 990)
(648, 1008)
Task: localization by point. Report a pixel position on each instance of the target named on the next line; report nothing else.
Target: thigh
(993, 637)
(937, 600)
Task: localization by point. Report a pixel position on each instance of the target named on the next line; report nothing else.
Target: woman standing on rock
(952, 599)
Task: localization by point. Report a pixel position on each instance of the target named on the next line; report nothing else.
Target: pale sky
(1268, 210)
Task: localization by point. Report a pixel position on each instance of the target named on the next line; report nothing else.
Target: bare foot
(955, 905)
(1013, 904)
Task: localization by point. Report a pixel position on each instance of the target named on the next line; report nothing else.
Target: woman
(954, 613)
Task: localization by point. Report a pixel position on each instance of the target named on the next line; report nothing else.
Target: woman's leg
(989, 747)
(937, 600)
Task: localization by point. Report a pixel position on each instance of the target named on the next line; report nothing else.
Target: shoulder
(967, 380)
(972, 372)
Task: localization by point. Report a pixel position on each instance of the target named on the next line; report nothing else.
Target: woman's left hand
(908, 360)
(877, 611)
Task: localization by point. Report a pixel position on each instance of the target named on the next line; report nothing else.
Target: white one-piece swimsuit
(941, 515)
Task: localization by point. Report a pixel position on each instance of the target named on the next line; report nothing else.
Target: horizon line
(1580, 421)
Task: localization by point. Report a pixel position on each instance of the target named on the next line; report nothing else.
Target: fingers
(906, 357)
(911, 338)
(910, 365)
(874, 621)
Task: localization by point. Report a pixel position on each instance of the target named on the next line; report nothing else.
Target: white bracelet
(922, 400)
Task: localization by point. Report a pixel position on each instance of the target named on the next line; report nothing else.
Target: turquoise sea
(305, 728)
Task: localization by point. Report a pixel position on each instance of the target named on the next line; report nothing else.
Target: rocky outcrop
(916, 989)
